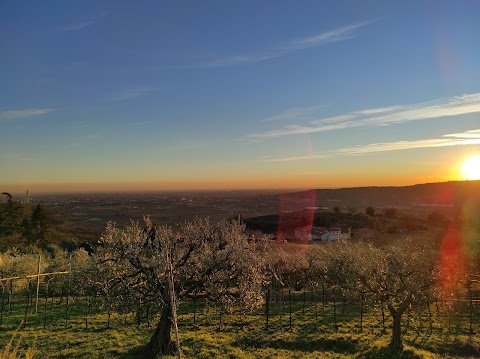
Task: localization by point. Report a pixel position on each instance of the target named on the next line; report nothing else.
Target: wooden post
(335, 308)
(38, 283)
(3, 302)
(10, 294)
(27, 305)
(267, 309)
(290, 307)
(173, 301)
(68, 291)
(471, 306)
(45, 307)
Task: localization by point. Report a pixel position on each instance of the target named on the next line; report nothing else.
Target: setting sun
(471, 168)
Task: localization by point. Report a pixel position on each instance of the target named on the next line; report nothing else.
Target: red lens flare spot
(296, 210)
(452, 262)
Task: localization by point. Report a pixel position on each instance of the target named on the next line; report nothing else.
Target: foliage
(390, 212)
(11, 215)
(219, 262)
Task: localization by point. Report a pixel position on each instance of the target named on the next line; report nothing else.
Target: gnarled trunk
(396, 313)
(161, 340)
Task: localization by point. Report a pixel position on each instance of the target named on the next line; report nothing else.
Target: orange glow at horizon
(291, 181)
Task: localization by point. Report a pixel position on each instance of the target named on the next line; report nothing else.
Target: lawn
(241, 335)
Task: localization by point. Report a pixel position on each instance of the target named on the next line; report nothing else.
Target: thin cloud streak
(12, 115)
(339, 34)
(133, 93)
(471, 137)
(295, 113)
(80, 25)
(454, 106)
(293, 158)
(76, 26)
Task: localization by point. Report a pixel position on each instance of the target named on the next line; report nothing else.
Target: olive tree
(219, 261)
(399, 276)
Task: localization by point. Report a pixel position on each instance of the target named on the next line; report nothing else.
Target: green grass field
(312, 334)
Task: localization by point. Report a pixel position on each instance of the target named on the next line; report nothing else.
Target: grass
(242, 335)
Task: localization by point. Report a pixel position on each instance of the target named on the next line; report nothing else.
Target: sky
(162, 95)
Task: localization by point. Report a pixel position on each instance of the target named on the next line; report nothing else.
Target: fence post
(38, 283)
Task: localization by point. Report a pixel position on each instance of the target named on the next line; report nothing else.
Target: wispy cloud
(454, 106)
(471, 137)
(296, 114)
(82, 24)
(292, 158)
(338, 34)
(12, 115)
(132, 93)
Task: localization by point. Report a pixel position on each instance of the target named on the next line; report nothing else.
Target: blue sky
(221, 94)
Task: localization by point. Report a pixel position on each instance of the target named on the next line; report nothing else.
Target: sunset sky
(111, 95)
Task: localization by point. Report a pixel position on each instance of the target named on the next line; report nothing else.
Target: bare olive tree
(220, 262)
(399, 276)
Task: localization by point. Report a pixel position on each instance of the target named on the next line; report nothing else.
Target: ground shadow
(388, 353)
(343, 346)
(133, 353)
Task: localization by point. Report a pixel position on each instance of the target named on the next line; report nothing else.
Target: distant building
(317, 234)
(335, 234)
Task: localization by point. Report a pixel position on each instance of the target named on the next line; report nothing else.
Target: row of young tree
(150, 267)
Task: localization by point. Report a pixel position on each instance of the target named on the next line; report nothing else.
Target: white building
(334, 235)
(317, 234)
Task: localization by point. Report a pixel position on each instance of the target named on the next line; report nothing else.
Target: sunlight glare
(471, 168)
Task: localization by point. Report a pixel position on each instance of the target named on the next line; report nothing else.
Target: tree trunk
(323, 299)
(304, 300)
(45, 308)
(86, 311)
(52, 299)
(161, 341)
(195, 309)
(430, 320)
(396, 341)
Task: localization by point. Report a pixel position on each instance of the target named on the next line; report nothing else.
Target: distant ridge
(439, 193)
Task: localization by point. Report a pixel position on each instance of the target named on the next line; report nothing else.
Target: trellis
(28, 277)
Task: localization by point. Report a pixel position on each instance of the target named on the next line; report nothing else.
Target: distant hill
(346, 206)
(440, 193)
